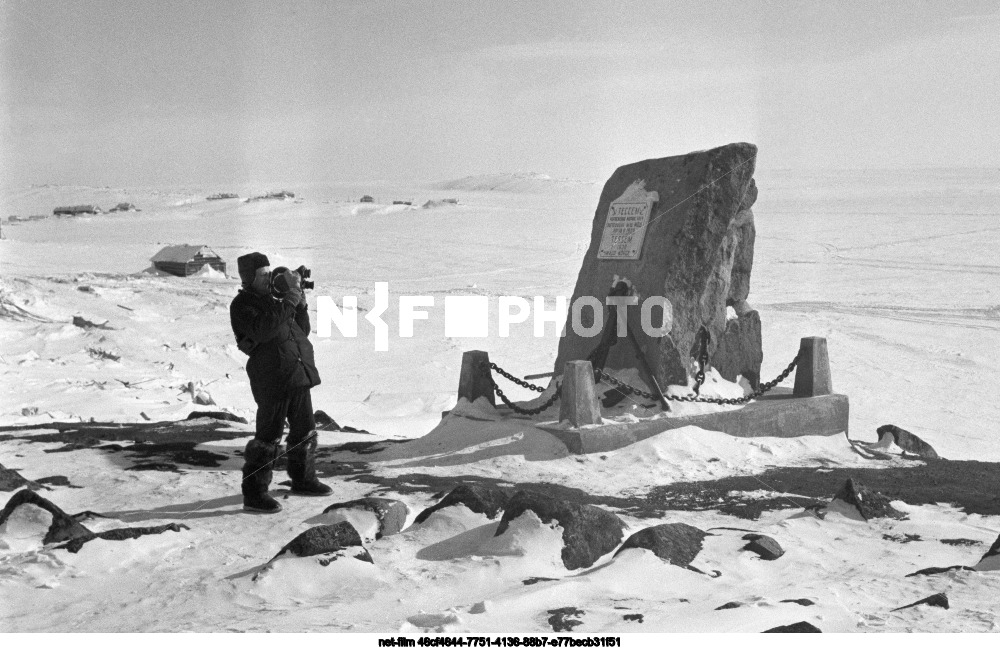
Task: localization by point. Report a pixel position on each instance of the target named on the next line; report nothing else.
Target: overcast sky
(144, 93)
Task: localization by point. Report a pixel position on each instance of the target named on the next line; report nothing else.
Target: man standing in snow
(274, 332)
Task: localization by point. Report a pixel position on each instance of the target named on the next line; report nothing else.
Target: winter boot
(302, 467)
(258, 459)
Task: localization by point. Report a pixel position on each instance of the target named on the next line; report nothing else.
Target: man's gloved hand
(294, 297)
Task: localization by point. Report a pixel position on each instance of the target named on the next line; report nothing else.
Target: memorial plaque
(625, 226)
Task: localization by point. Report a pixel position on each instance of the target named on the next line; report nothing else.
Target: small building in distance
(187, 259)
(367, 199)
(86, 209)
(222, 195)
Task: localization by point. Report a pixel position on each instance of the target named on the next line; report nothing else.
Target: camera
(283, 279)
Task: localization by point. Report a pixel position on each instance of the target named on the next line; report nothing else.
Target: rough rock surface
(588, 531)
(909, 442)
(764, 546)
(324, 539)
(868, 502)
(676, 542)
(391, 514)
(739, 350)
(127, 533)
(797, 627)
(11, 479)
(697, 252)
(218, 415)
(478, 499)
(63, 526)
(940, 600)
(991, 559)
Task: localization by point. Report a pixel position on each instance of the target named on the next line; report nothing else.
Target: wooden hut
(187, 259)
(86, 209)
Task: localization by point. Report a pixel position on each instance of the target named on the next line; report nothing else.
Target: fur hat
(249, 264)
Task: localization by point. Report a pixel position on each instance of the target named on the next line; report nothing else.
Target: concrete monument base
(779, 413)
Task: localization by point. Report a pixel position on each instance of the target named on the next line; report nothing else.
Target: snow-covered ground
(896, 269)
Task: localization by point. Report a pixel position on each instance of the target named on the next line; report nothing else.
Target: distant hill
(510, 182)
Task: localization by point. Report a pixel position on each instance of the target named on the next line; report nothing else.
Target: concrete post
(578, 401)
(812, 375)
(474, 382)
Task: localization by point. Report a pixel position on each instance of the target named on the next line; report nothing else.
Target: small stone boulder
(217, 415)
(325, 539)
(908, 442)
(324, 421)
(391, 514)
(764, 546)
(676, 542)
(588, 531)
(870, 504)
(478, 499)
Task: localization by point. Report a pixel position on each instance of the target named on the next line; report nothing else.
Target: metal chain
(764, 388)
(527, 385)
(699, 377)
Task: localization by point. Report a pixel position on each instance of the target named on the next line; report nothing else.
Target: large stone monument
(682, 228)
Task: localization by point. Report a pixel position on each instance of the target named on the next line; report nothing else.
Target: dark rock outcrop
(801, 602)
(217, 415)
(676, 542)
(478, 499)
(940, 600)
(764, 546)
(127, 533)
(991, 559)
(730, 605)
(797, 627)
(739, 351)
(391, 514)
(63, 526)
(588, 531)
(324, 539)
(870, 504)
(561, 619)
(909, 442)
(697, 252)
(12, 479)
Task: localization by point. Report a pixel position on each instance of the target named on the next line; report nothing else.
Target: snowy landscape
(103, 359)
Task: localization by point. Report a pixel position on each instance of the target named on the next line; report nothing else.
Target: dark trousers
(300, 447)
(296, 407)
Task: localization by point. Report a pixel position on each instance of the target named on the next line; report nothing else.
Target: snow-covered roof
(183, 253)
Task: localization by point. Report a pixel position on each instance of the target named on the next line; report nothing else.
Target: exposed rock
(561, 619)
(991, 559)
(127, 533)
(324, 421)
(960, 542)
(391, 514)
(324, 539)
(868, 503)
(11, 479)
(801, 602)
(797, 627)
(909, 442)
(478, 499)
(63, 526)
(928, 571)
(765, 546)
(218, 415)
(56, 480)
(537, 579)
(739, 350)
(730, 605)
(676, 542)
(203, 398)
(81, 322)
(588, 531)
(939, 600)
(633, 617)
(697, 252)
